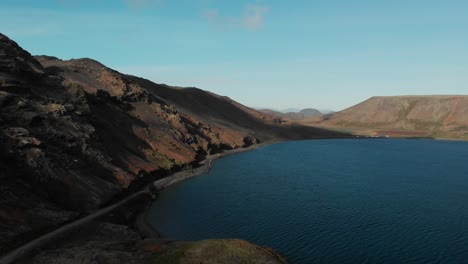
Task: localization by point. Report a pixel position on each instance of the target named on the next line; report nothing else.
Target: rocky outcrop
(16, 61)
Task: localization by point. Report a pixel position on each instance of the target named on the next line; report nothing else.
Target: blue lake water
(331, 201)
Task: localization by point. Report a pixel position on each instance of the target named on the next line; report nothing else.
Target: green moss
(170, 256)
(214, 251)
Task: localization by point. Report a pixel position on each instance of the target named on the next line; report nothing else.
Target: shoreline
(141, 223)
(161, 184)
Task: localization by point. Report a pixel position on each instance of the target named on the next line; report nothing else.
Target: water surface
(331, 201)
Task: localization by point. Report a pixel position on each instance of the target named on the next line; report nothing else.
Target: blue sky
(327, 54)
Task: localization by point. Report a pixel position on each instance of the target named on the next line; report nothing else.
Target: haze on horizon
(272, 54)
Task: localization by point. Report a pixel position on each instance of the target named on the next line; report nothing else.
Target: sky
(325, 54)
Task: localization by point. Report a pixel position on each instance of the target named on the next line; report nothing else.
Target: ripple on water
(334, 201)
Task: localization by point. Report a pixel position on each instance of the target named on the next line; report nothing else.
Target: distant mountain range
(438, 116)
(299, 115)
(289, 110)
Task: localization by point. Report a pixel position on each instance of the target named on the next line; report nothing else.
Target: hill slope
(431, 116)
(75, 135)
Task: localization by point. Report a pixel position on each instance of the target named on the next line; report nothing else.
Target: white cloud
(252, 18)
(211, 14)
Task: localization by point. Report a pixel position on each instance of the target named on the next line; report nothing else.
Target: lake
(331, 201)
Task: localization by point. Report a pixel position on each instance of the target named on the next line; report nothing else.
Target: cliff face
(76, 134)
(432, 116)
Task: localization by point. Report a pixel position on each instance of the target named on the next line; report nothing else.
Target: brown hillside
(432, 116)
(75, 135)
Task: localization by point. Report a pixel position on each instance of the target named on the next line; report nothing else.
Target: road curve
(42, 240)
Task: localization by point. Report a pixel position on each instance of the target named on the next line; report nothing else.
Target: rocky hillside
(420, 116)
(76, 135)
(295, 116)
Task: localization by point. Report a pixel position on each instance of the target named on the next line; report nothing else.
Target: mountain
(309, 112)
(439, 116)
(290, 110)
(326, 111)
(299, 115)
(76, 135)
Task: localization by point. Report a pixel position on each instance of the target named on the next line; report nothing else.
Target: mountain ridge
(293, 116)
